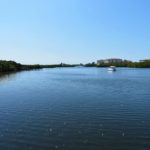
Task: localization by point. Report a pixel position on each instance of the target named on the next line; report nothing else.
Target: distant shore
(9, 66)
(145, 64)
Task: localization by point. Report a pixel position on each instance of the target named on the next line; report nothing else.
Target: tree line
(7, 66)
(145, 64)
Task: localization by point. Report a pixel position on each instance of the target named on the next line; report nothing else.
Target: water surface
(75, 109)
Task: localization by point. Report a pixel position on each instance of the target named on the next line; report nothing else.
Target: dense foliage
(145, 64)
(91, 65)
(6, 66)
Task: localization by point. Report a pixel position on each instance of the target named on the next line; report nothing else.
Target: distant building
(145, 60)
(109, 61)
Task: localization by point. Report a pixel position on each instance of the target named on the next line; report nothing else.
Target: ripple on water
(75, 109)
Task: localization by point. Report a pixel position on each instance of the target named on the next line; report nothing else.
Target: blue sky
(74, 31)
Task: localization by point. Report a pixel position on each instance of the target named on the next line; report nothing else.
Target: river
(75, 109)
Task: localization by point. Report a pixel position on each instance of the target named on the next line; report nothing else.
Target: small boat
(112, 68)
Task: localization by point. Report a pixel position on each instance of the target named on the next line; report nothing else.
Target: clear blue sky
(74, 31)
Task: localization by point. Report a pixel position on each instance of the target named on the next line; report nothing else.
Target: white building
(107, 61)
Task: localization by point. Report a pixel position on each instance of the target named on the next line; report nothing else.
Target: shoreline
(12, 66)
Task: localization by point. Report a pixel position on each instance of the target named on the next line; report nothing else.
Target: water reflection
(9, 76)
(4, 77)
(75, 109)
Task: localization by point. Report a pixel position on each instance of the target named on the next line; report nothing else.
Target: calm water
(75, 109)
